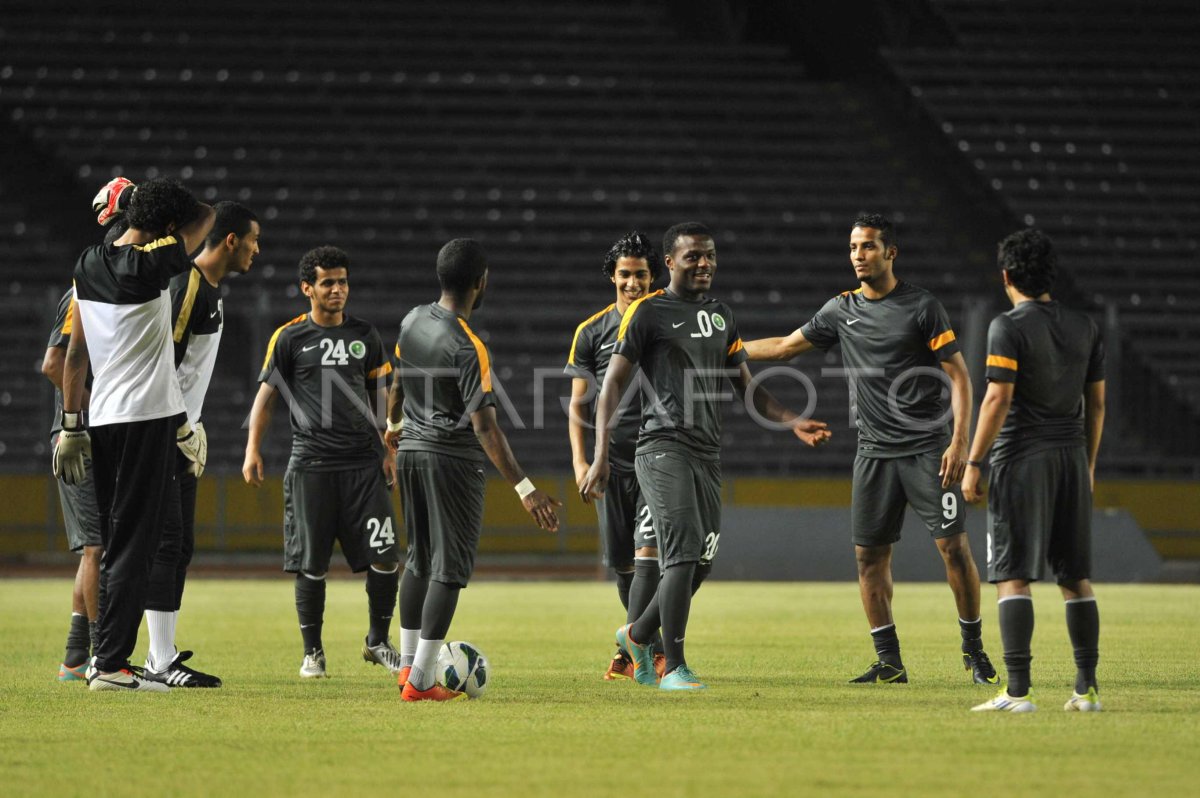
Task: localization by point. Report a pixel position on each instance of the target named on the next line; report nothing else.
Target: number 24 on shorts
(382, 536)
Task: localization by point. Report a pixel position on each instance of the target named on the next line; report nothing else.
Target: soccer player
(899, 352)
(442, 385)
(197, 311)
(122, 329)
(686, 342)
(81, 516)
(1044, 411)
(626, 529)
(331, 368)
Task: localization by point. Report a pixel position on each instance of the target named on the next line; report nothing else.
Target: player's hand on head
(595, 482)
(541, 506)
(112, 199)
(812, 432)
(71, 450)
(954, 463)
(252, 469)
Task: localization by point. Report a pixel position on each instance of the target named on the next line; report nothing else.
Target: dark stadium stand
(1083, 118)
(546, 130)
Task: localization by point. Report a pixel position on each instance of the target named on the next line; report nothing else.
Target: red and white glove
(112, 200)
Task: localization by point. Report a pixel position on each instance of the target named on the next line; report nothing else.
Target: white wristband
(524, 488)
(397, 427)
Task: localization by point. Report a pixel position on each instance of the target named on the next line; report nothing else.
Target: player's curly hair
(460, 264)
(159, 203)
(682, 229)
(1030, 260)
(633, 245)
(326, 258)
(877, 221)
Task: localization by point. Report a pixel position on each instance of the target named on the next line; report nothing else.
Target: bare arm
(616, 379)
(75, 368)
(52, 365)
(1093, 422)
(395, 410)
(581, 396)
(812, 433)
(495, 445)
(954, 459)
(260, 420)
(193, 233)
(992, 413)
(784, 348)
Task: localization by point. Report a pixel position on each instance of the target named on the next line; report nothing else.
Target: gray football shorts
(1039, 511)
(443, 513)
(883, 487)
(683, 493)
(625, 521)
(351, 506)
(81, 513)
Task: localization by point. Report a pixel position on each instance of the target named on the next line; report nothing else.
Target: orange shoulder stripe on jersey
(485, 365)
(165, 241)
(275, 337)
(735, 347)
(581, 327)
(629, 311)
(848, 293)
(69, 322)
(1002, 362)
(189, 299)
(937, 343)
(382, 371)
(397, 351)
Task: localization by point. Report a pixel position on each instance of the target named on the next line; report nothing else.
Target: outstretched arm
(495, 445)
(954, 459)
(811, 432)
(992, 413)
(194, 232)
(784, 348)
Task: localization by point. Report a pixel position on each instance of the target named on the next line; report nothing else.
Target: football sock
(1016, 633)
(310, 609)
(412, 600)
(641, 593)
(161, 626)
(887, 645)
(424, 669)
(381, 602)
(675, 603)
(77, 641)
(1083, 625)
(972, 635)
(440, 603)
(408, 645)
(624, 582)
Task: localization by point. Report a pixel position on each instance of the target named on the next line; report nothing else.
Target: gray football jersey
(892, 349)
(591, 352)
(687, 351)
(1051, 353)
(329, 377)
(446, 374)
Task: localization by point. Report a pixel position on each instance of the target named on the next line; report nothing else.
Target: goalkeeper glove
(193, 442)
(71, 450)
(112, 200)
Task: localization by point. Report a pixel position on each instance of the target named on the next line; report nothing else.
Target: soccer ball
(463, 667)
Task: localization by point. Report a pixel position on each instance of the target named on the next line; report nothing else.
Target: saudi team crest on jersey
(358, 349)
(718, 321)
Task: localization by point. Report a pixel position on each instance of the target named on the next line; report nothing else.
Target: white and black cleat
(177, 674)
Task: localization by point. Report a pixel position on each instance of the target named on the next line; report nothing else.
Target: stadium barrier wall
(232, 517)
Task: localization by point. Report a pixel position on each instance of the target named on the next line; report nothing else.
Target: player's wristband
(396, 427)
(72, 422)
(524, 488)
(975, 463)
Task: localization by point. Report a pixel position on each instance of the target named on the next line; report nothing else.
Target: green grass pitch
(779, 719)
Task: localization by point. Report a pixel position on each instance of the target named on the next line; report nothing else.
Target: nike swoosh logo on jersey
(607, 346)
(947, 525)
(213, 315)
(306, 348)
(852, 321)
(680, 324)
